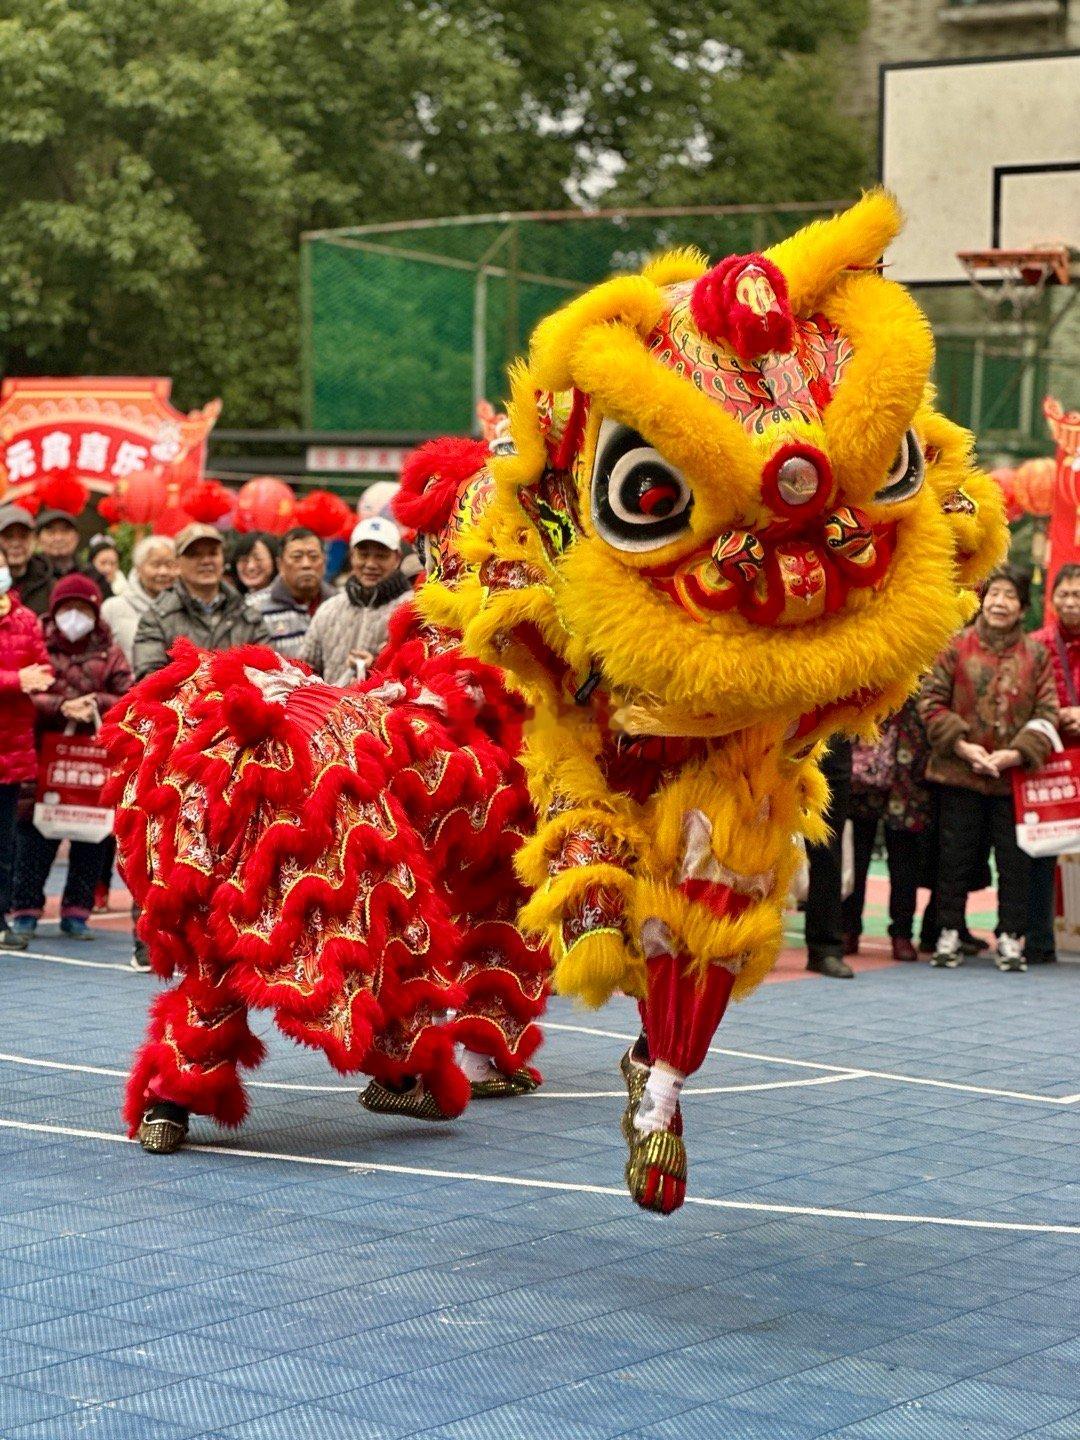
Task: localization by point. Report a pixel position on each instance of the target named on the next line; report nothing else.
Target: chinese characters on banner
(1064, 532)
(97, 431)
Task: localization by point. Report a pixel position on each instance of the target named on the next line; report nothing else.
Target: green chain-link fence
(407, 325)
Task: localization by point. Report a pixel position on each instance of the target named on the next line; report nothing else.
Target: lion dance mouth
(780, 580)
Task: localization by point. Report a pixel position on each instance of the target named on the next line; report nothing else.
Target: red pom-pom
(744, 302)
(30, 502)
(325, 513)
(431, 478)
(207, 501)
(63, 492)
(108, 509)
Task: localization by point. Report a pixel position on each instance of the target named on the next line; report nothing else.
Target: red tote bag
(1046, 803)
(72, 771)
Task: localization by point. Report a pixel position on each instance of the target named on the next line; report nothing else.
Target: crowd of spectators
(75, 636)
(934, 789)
(938, 783)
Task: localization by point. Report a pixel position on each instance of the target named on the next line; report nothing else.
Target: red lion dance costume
(731, 523)
(342, 857)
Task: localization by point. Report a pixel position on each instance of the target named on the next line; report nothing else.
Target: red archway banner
(1064, 532)
(96, 431)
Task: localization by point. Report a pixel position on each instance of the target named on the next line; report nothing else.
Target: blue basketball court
(882, 1240)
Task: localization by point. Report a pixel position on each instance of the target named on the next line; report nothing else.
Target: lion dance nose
(797, 481)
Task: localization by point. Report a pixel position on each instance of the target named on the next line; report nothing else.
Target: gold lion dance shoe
(415, 1103)
(656, 1169)
(163, 1128)
(500, 1086)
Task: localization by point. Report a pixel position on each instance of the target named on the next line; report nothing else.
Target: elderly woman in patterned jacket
(989, 704)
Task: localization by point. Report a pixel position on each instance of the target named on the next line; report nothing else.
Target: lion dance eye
(905, 474)
(639, 501)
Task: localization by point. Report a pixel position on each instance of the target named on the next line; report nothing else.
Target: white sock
(660, 1099)
(476, 1067)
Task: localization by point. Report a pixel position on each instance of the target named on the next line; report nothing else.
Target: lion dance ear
(815, 257)
(431, 478)
(629, 299)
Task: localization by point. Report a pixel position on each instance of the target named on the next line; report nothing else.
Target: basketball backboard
(982, 154)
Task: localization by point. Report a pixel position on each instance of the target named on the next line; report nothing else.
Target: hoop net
(1013, 280)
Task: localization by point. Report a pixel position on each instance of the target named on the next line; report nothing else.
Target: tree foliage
(159, 161)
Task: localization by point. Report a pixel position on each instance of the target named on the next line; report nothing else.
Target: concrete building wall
(937, 30)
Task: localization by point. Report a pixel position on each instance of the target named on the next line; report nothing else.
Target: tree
(158, 162)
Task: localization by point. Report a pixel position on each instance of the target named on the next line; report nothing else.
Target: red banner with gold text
(97, 431)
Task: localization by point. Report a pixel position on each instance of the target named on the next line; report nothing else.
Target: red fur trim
(483, 1035)
(750, 330)
(431, 478)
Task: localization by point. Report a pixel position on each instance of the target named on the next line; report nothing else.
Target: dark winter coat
(176, 612)
(94, 666)
(21, 644)
(34, 587)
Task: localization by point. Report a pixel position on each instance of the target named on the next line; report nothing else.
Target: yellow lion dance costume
(732, 523)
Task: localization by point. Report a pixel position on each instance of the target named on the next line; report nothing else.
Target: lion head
(731, 499)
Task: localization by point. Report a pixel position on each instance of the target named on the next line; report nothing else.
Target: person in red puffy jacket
(90, 674)
(24, 671)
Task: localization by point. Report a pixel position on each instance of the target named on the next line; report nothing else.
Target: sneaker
(25, 925)
(947, 953)
(76, 929)
(140, 960)
(10, 940)
(1010, 953)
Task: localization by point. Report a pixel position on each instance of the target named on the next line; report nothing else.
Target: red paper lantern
(1035, 485)
(207, 501)
(140, 496)
(265, 503)
(108, 509)
(325, 513)
(63, 492)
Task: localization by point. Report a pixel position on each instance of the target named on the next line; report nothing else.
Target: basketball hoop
(1014, 279)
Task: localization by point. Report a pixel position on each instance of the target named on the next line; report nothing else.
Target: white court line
(351, 1089)
(841, 1071)
(70, 960)
(524, 1182)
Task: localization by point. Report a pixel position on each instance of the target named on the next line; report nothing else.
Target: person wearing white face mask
(90, 674)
